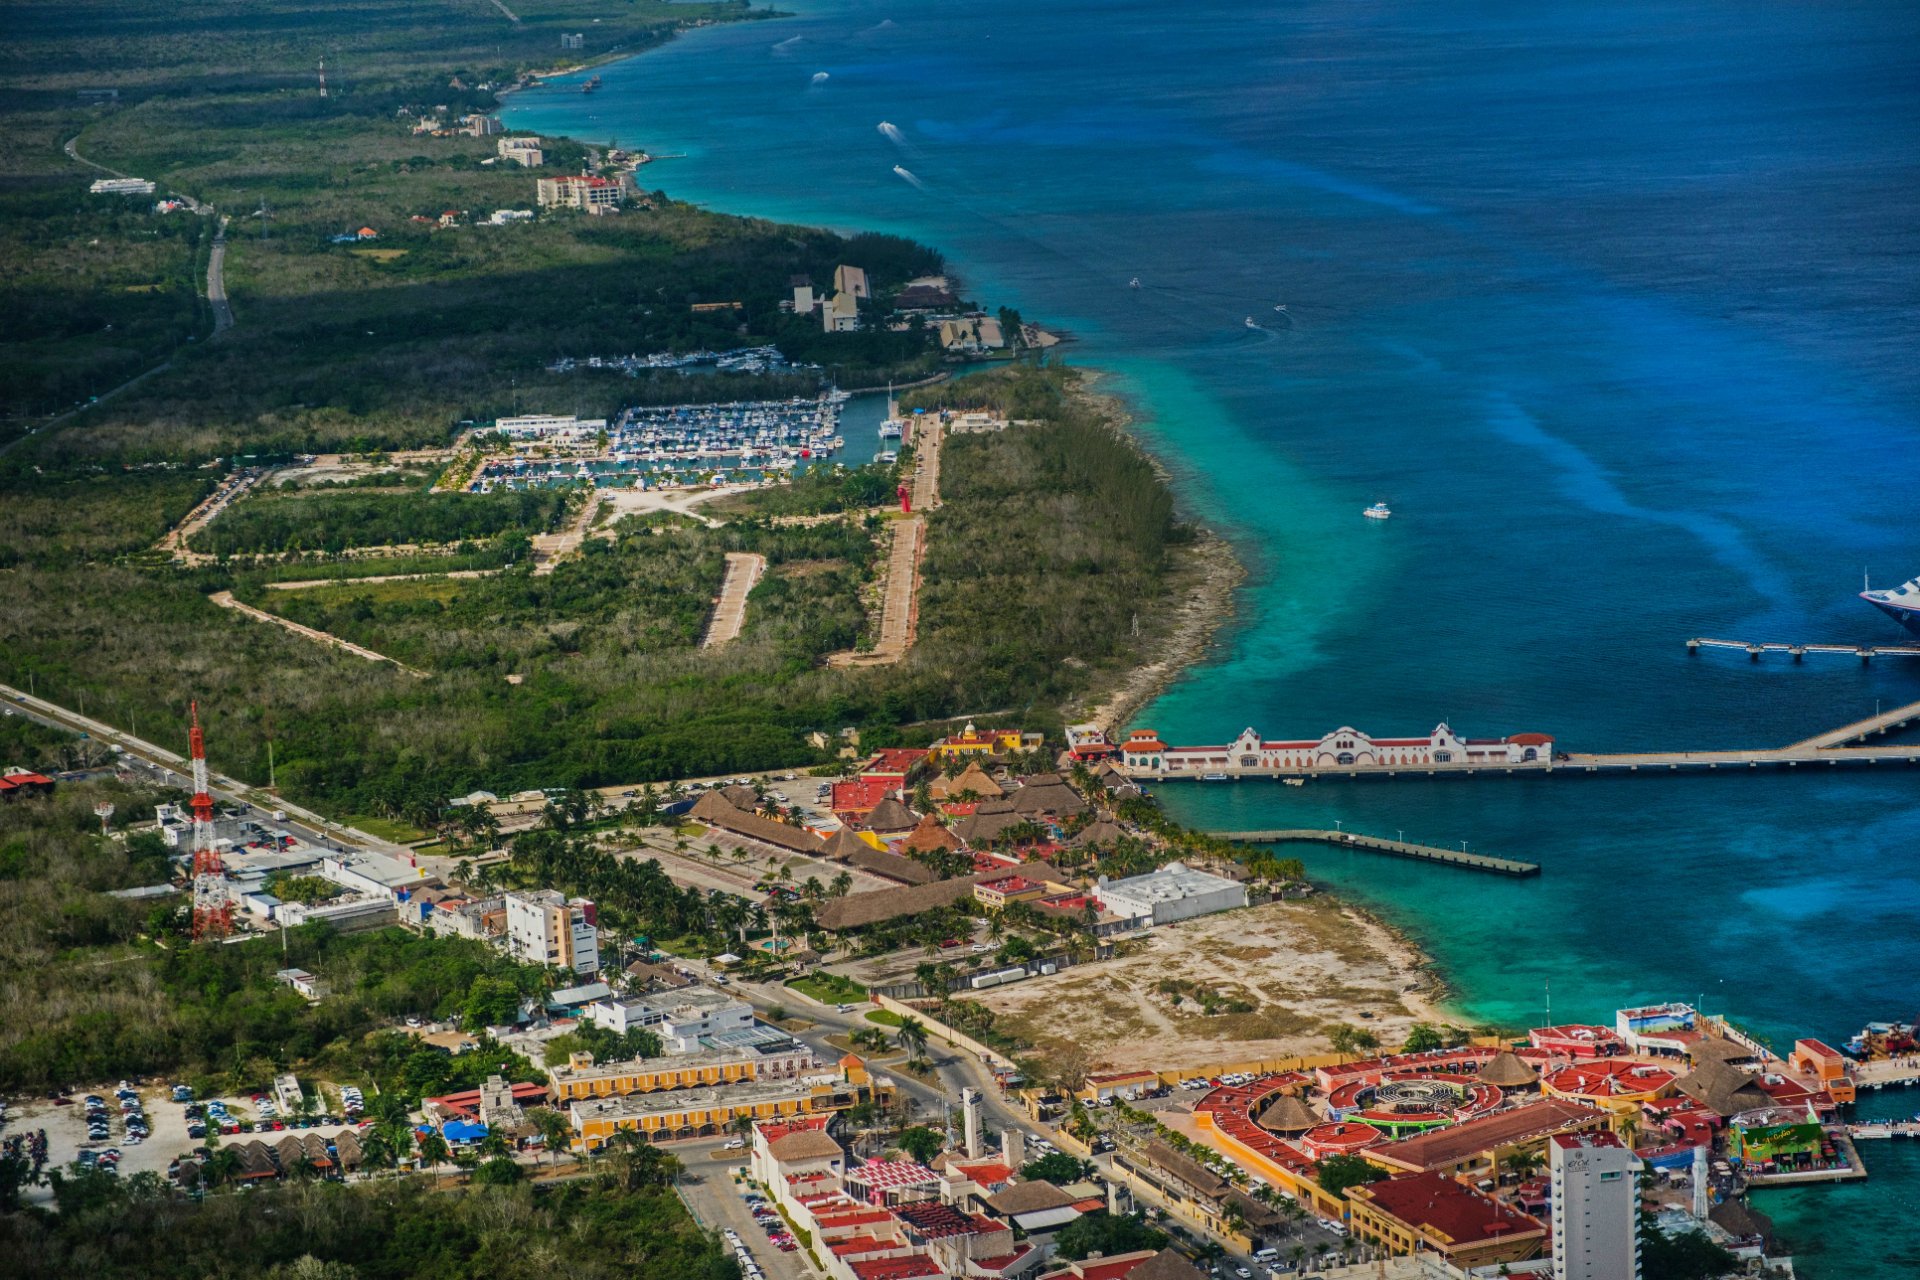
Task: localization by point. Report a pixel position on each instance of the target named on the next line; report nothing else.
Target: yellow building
(672, 1115)
(581, 1077)
(974, 742)
(1430, 1212)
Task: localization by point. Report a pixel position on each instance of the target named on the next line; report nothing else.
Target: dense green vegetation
(94, 987)
(1105, 1234)
(323, 521)
(603, 1228)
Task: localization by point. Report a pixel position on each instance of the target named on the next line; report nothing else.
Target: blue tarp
(463, 1131)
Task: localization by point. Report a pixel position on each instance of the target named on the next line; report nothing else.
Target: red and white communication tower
(212, 911)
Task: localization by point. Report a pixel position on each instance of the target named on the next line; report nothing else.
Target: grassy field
(829, 988)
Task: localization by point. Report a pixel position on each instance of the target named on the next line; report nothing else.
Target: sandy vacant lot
(1300, 965)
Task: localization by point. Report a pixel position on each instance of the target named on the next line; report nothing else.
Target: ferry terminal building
(1345, 749)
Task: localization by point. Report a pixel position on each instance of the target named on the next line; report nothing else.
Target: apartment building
(545, 928)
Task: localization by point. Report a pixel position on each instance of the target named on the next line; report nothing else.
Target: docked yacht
(1901, 604)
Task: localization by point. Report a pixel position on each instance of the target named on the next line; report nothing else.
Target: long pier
(1755, 648)
(1885, 1129)
(1831, 749)
(1393, 848)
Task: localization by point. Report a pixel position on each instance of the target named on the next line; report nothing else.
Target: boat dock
(1884, 1129)
(1755, 648)
(1392, 848)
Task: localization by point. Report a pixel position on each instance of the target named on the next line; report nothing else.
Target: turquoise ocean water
(1615, 304)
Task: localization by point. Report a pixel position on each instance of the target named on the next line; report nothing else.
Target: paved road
(172, 769)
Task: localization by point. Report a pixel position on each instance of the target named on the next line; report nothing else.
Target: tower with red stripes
(212, 911)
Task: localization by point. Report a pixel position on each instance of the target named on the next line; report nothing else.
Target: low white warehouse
(1174, 892)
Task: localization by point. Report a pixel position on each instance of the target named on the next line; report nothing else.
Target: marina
(676, 446)
(739, 360)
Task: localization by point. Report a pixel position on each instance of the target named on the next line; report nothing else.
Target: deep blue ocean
(1618, 305)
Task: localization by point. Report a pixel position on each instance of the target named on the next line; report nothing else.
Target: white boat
(1378, 511)
(1295, 782)
(891, 429)
(1251, 324)
(1213, 777)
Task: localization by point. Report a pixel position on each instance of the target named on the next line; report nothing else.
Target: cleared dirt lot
(1297, 966)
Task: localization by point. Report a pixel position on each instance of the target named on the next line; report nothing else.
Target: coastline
(1208, 578)
(1212, 574)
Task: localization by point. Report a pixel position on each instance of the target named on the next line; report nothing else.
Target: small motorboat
(1378, 511)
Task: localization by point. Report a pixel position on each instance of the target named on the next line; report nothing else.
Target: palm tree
(1521, 1163)
(434, 1153)
(556, 1131)
(911, 1035)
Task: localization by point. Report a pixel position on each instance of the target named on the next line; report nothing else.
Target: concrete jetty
(1831, 749)
(1392, 848)
(1754, 649)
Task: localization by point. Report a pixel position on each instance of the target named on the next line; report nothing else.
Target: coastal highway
(171, 768)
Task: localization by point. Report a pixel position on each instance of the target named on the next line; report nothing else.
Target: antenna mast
(212, 912)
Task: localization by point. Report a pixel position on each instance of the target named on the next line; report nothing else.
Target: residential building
(851, 280)
(525, 152)
(573, 39)
(305, 983)
(803, 296)
(705, 1112)
(122, 187)
(478, 918)
(682, 1019)
(1596, 1203)
(1434, 1213)
(543, 927)
(583, 191)
(483, 126)
(1174, 892)
(972, 333)
(840, 313)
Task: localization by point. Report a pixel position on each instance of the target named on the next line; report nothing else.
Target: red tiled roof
(1437, 1203)
(894, 1268)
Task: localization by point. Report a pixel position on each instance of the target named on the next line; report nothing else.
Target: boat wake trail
(787, 44)
(892, 133)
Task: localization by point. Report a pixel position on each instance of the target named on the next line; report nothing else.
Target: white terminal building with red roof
(1345, 750)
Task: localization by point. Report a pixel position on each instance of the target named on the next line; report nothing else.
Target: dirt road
(730, 612)
(226, 601)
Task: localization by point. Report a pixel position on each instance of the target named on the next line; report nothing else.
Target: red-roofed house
(894, 765)
(19, 782)
(1432, 1212)
(858, 797)
(1577, 1041)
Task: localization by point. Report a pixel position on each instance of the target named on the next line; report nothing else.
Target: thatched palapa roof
(1101, 833)
(1508, 1070)
(844, 844)
(713, 809)
(1723, 1089)
(1288, 1115)
(930, 837)
(973, 778)
(889, 815)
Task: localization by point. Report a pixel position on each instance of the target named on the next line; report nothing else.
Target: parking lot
(70, 1138)
(719, 1203)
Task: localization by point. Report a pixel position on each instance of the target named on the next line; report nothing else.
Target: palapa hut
(889, 817)
(1508, 1070)
(1098, 835)
(971, 779)
(1288, 1115)
(1722, 1089)
(931, 837)
(844, 845)
(714, 810)
(1046, 795)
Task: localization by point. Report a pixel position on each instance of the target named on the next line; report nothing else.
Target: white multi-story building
(583, 191)
(1596, 1201)
(1174, 892)
(549, 426)
(545, 928)
(679, 1018)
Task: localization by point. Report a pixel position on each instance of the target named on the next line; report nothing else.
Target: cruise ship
(1902, 605)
